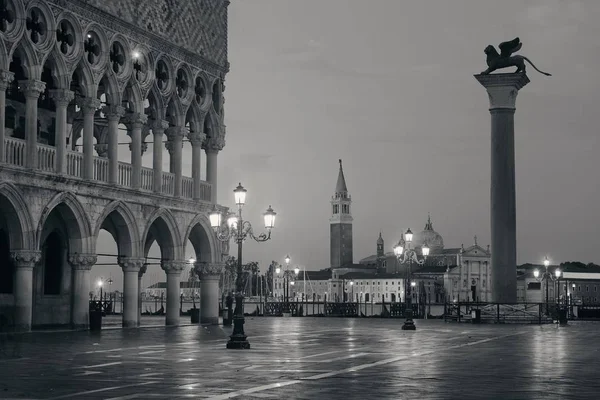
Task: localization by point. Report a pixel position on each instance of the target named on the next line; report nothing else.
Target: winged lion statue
(505, 59)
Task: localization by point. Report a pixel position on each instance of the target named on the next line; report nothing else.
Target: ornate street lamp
(406, 255)
(546, 277)
(287, 282)
(238, 229)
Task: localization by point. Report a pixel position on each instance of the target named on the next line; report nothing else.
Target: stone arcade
(73, 73)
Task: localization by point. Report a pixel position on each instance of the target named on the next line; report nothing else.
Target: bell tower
(340, 224)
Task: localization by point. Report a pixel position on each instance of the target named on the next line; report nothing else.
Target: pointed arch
(76, 222)
(201, 235)
(111, 88)
(16, 211)
(133, 93)
(211, 123)
(162, 227)
(87, 84)
(60, 71)
(156, 106)
(175, 113)
(5, 59)
(118, 219)
(195, 117)
(24, 49)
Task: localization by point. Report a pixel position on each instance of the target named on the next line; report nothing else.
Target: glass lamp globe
(277, 270)
(232, 221)
(408, 236)
(557, 273)
(215, 218)
(296, 270)
(269, 216)
(546, 262)
(398, 249)
(425, 250)
(413, 284)
(287, 259)
(536, 273)
(239, 194)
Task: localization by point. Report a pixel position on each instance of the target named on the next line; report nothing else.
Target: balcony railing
(15, 151)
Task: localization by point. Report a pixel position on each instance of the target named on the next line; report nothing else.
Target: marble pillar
(5, 79)
(62, 98)
(131, 269)
(136, 122)
(88, 108)
(24, 262)
(502, 91)
(196, 139)
(81, 264)
(158, 130)
(173, 270)
(209, 274)
(113, 114)
(175, 135)
(32, 90)
(140, 301)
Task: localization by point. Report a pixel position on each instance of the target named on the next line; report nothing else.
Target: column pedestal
(209, 275)
(24, 261)
(81, 265)
(131, 269)
(173, 270)
(502, 91)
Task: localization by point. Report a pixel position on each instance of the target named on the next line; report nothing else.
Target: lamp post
(286, 282)
(100, 284)
(406, 255)
(546, 276)
(235, 227)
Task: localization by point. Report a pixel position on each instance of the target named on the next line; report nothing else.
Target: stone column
(131, 270)
(88, 108)
(136, 122)
(173, 270)
(196, 139)
(24, 262)
(81, 265)
(140, 275)
(31, 89)
(62, 98)
(5, 79)
(113, 114)
(158, 130)
(175, 135)
(502, 91)
(212, 146)
(209, 274)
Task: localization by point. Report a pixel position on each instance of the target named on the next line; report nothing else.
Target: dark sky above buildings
(388, 86)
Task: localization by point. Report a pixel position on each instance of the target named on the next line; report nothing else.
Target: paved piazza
(308, 358)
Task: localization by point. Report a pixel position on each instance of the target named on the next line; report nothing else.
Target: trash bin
(476, 316)
(95, 320)
(195, 313)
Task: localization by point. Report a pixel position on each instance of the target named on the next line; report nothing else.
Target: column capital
(196, 138)
(32, 88)
(502, 89)
(136, 120)
(89, 105)
(62, 97)
(6, 78)
(131, 264)
(82, 262)
(25, 258)
(214, 144)
(159, 126)
(113, 113)
(143, 270)
(208, 271)
(175, 132)
(101, 149)
(173, 266)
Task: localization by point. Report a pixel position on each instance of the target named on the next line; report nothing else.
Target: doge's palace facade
(73, 74)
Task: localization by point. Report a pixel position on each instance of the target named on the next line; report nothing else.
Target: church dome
(428, 236)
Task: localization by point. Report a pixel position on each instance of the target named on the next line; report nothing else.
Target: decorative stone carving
(502, 89)
(32, 88)
(6, 79)
(61, 97)
(173, 266)
(159, 126)
(196, 138)
(208, 271)
(113, 112)
(101, 149)
(143, 270)
(25, 258)
(175, 132)
(136, 120)
(89, 105)
(214, 144)
(130, 264)
(82, 261)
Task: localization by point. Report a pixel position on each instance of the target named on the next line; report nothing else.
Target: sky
(388, 87)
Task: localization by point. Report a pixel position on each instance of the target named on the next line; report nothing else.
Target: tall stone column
(131, 269)
(140, 300)
(196, 138)
(173, 270)
(5, 79)
(88, 108)
(158, 130)
(81, 264)
(136, 122)
(32, 90)
(209, 274)
(502, 91)
(212, 146)
(62, 98)
(24, 262)
(175, 135)
(113, 114)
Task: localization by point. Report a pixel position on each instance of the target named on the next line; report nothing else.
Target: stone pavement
(308, 358)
